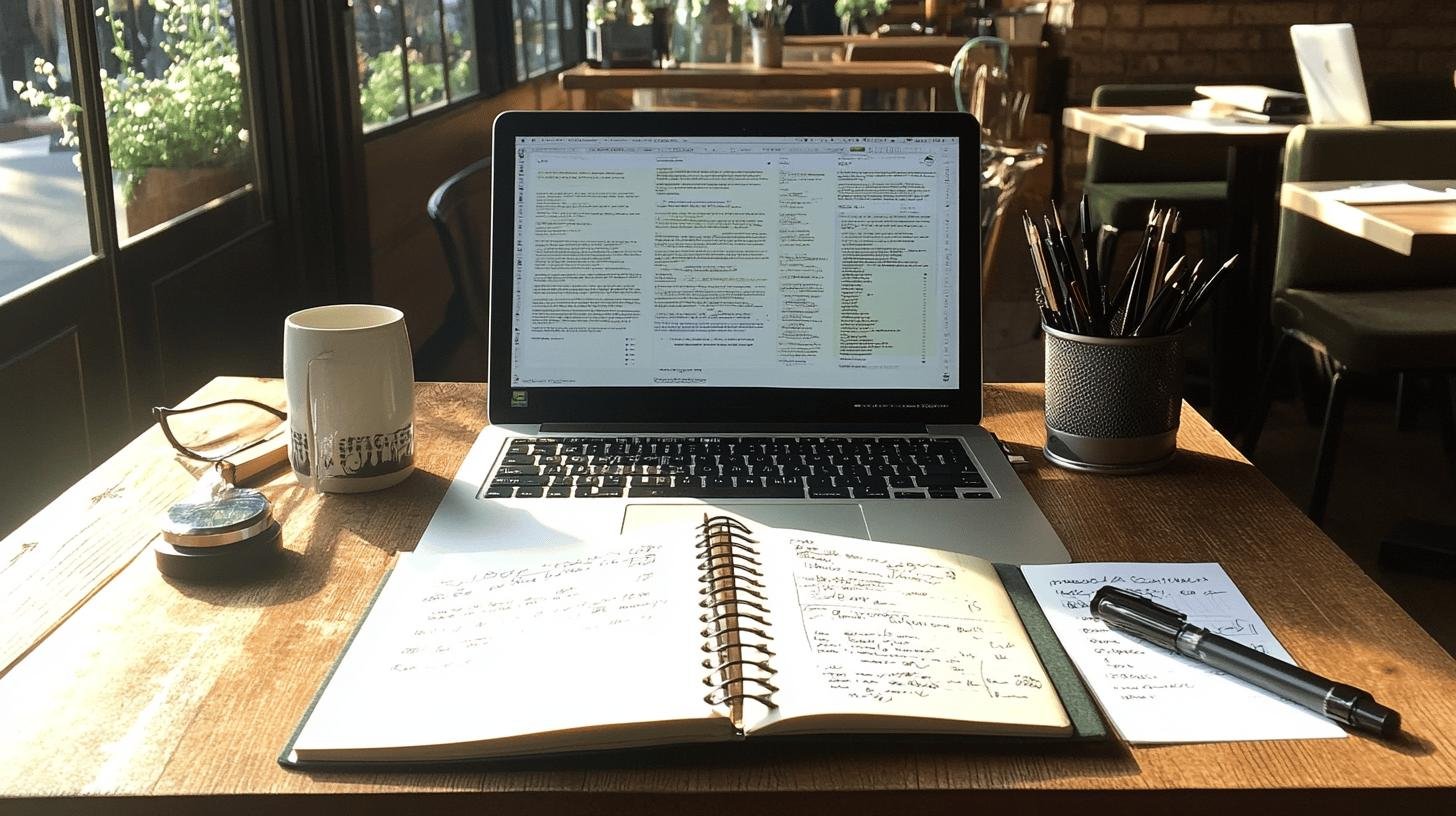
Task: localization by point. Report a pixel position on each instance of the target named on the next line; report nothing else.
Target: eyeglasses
(218, 430)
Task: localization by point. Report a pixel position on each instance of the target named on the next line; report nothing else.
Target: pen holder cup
(1112, 403)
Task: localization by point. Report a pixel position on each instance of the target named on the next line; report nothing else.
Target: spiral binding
(735, 614)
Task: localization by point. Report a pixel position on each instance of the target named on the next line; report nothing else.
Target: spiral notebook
(713, 634)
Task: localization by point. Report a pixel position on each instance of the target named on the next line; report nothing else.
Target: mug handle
(310, 421)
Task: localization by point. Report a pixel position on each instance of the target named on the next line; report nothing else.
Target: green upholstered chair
(1122, 183)
(1369, 309)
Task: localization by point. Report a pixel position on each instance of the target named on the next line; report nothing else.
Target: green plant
(381, 94)
(856, 9)
(190, 116)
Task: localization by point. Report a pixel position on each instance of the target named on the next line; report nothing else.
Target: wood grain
(155, 696)
(1424, 228)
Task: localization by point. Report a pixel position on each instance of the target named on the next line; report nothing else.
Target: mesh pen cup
(1112, 403)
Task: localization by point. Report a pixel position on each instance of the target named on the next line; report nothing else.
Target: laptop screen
(760, 262)
(711, 266)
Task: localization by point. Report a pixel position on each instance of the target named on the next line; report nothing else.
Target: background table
(740, 76)
(161, 697)
(1416, 228)
(1242, 299)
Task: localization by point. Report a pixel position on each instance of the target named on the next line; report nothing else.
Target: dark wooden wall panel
(43, 417)
(219, 315)
(403, 167)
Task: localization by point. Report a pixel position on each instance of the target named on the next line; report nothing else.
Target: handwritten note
(1151, 694)
(910, 631)
(467, 647)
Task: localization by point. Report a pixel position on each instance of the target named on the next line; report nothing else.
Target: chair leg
(1405, 402)
(1446, 407)
(1266, 396)
(1324, 463)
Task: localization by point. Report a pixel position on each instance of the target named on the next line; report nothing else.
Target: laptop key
(494, 492)
(519, 470)
(558, 492)
(530, 492)
(871, 492)
(943, 493)
(522, 480)
(979, 495)
(829, 493)
(905, 494)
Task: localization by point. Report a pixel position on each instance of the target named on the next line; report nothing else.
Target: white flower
(103, 73)
(51, 81)
(141, 108)
(76, 160)
(47, 68)
(101, 12)
(243, 135)
(18, 86)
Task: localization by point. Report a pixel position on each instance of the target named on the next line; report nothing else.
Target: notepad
(1150, 694)
(1389, 193)
(709, 634)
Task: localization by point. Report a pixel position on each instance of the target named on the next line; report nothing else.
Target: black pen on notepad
(1141, 617)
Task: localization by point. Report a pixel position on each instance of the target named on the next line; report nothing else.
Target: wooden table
(1253, 176)
(1416, 228)
(739, 76)
(159, 697)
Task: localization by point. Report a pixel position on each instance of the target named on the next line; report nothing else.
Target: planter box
(167, 192)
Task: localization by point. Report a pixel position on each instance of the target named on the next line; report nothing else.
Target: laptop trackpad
(839, 518)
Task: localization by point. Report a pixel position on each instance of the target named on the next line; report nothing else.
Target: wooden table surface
(157, 696)
(1407, 228)
(744, 76)
(1134, 126)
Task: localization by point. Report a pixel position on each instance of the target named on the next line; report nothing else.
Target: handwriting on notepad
(460, 616)
(887, 629)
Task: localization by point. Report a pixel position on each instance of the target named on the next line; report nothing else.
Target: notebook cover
(1087, 720)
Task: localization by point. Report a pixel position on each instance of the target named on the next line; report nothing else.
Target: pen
(1136, 615)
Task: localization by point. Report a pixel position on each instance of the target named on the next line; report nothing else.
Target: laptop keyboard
(721, 467)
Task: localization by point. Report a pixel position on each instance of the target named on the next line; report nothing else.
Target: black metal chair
(460, 211)
(1368, 309)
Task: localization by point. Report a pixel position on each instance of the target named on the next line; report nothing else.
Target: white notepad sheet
(1152, 695)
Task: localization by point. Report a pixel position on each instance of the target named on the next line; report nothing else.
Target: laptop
(771, 315)
(1329, 67)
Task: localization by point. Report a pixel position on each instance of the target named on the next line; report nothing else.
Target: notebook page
(1152, 695)
(472, 647)
(882, 637)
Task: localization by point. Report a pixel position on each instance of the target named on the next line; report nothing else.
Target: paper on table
(1150, 694)
(1398, 192)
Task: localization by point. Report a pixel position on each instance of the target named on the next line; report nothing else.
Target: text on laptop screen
(773, 262)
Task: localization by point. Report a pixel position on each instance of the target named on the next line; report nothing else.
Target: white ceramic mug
(351, 402)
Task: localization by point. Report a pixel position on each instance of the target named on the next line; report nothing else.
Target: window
(414, 56)
(547, 36)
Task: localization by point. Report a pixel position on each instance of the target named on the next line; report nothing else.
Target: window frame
(496, 59)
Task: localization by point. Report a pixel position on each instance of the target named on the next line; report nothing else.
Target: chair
(987, 86)
(1122, 183)
(460, 211)
(1370, 310)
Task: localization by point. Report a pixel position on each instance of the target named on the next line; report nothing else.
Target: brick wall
(1244, 41)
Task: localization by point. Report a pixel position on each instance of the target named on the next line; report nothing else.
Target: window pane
(378, 32)
(551, 35)
(426, 54)
(525, 11)
(175, 107)
(460, 28)
(43, 224)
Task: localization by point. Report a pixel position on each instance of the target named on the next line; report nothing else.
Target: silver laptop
(774, 315)
(1329, 66)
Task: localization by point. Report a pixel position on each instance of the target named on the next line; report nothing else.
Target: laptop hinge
(735, 428)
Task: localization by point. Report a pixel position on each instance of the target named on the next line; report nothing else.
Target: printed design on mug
(357, 456)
